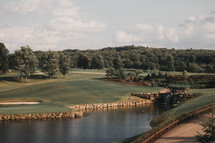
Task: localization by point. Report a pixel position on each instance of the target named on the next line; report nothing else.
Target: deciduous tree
(83, 61)
(26, 62)
(4, 64)
(64, 63)
(117, 63)
(170, 63)
(49, 63)
(97, 62)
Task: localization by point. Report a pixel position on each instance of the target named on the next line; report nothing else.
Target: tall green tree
(49, 63)
(193, 67)
(11, 59)
(4, 64)
(64, 63)
(83, 61)
(170, 63)
(137, 64)
(128, 64)
(209, 68)
(117, 63)
(151, 66)
(26, 62)
(97, 62)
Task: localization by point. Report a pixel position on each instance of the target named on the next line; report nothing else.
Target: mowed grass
(76, 88)
(25, 109)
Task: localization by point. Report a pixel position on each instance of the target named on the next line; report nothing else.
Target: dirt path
(185, 132)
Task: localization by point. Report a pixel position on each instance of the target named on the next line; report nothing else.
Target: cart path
(185, 132)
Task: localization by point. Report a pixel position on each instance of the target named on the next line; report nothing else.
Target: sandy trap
(18, 103)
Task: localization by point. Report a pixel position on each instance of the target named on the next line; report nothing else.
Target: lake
(95, 127)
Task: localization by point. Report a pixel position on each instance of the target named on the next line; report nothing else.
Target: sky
(95, 24)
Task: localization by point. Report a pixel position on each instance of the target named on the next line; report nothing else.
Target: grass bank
(180, 111)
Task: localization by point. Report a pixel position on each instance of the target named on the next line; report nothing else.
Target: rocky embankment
(151, 96)
(62, 115)
(166, 96)
(108, 105)
(41, 116)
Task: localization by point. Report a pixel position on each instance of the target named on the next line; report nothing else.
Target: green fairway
(25, 109)
(57, 94)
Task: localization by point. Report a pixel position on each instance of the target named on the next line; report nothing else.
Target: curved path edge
(167, 128)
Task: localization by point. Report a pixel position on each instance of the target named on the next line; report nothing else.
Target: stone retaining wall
(174, 96)
(61, 115)
(41, 116)
(108, 105)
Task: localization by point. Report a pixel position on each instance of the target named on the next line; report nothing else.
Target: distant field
(56, 94)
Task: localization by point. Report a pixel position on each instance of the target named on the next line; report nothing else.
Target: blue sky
(95, 24)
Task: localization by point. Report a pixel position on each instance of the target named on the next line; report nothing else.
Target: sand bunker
(18, 103)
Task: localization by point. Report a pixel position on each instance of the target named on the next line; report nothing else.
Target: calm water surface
(95, 127)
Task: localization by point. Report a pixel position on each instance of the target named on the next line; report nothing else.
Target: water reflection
(95, 127)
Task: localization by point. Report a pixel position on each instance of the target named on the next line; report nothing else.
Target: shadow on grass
(40, 77)
(12, 79)
(101, 78)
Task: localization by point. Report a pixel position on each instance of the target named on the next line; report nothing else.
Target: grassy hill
(56, 94)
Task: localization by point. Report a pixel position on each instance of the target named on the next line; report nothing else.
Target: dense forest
(135, 57)
(151, 58)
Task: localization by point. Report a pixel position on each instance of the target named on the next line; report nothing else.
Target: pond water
(95, 127)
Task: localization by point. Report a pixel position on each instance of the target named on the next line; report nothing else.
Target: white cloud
(66, 3)
(122, 36)
(66, 29)
(66, 8)
(191, 19)
(28, 6)
(147, 34)
(144, 27)
(160, 30)
(209, 31)
(207, 23)
(172, 34)
(68, 18)
(66, 12)
(35, 35)
(39, 37)
(196, 28)
(188, 30)
(68, 23)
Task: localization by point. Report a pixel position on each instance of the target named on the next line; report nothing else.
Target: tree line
(27, 61)
(145, 58)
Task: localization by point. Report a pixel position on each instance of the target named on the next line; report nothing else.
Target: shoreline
(73, 114)
(41, 116)
(108, 105)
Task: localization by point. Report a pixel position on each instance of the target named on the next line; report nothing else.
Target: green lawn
(57, 94)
